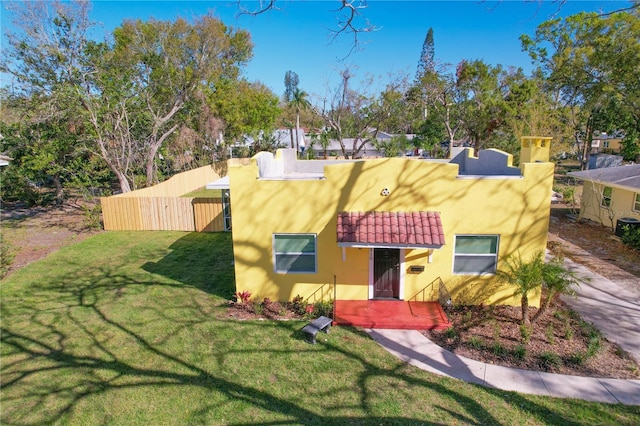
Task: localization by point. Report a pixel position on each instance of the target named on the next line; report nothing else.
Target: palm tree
(525, 277)
(557, 280)
(300, 102)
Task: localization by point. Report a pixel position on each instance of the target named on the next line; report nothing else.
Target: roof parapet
(489, 162)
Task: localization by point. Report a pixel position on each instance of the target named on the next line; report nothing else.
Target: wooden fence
(162, 207)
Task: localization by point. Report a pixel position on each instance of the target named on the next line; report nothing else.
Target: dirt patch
(278, 311)
(559, 342)
(33, 233)
(596, 247)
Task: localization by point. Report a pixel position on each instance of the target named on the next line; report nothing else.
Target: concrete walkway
(613, 309)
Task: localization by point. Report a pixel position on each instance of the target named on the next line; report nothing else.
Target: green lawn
(130, 328)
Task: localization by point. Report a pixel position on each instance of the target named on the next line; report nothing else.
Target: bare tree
(350, 18)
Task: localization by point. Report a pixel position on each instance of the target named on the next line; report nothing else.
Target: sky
(296, 35)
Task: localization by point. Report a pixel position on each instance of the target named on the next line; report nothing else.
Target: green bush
(549, 360)
(450, 333)
(578, 358)
(631, 236)
(298, 305)
(6, 256)
(525, 333)
(498, 349)
(92, 216)
(323, 308)
(519, 352)
(476, 342)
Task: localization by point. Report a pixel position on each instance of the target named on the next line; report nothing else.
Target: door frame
(372, 278)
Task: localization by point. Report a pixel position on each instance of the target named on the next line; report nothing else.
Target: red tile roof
(389, 228)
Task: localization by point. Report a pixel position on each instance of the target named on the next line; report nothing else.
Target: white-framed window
(636, 204)
(226, 209)
(606, 196)
(294, 253)
(475, 254)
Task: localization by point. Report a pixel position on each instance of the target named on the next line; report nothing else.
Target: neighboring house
(390, 228)
(610, 193)
(606, 143)
(367, 151)
(282, 137)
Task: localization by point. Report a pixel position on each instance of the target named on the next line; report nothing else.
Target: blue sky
(296, 36)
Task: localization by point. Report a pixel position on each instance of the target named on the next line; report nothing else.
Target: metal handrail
(444, 297)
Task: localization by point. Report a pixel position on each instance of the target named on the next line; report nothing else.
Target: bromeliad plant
(243, 296)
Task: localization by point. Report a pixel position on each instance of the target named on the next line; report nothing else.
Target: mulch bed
(558, 343)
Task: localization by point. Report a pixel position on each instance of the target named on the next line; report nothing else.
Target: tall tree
(146, 79)
(482, 104)
(45, 57)
(590, 58)
(352, 114)
(426, 64)
(299, 101)
(291, 82)
(246, 108)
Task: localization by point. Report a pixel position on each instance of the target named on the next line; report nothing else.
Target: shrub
(549, 360)
(496, 331)
(594, 346)
(258, 308)
(323, 308)
(525, 333)
(476, 342)
(548, 332)
(631, 236)
(519, 352)
(578, 358)
(298, 305)
(6, 256)
(450, 333)
(243, 296)
(92, 216)
(498, 349)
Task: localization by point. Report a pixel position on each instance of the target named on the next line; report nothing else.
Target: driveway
(612, 308)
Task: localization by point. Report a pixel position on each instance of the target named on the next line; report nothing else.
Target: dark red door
(386, 273)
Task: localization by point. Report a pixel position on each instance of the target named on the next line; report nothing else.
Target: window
(226, 209)
(294, 253)
(636, 204)
(606, 196)
(475, 254)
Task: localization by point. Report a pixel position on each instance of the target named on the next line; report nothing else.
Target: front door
(386, 273)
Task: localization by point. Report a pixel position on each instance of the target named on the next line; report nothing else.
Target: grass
(204, 193)
(130, 328)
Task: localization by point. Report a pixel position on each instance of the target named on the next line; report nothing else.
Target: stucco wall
(514, 207)
(622, 203)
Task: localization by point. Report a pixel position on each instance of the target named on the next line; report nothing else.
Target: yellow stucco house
(610, 195)
(391, 228)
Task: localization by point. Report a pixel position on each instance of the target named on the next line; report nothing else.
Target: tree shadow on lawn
(74, 353)
(75, 344)
(202, 260)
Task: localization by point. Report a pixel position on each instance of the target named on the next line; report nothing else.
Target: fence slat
(161, 207)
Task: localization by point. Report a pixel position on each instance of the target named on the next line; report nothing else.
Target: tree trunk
(59, 190)
(524, 301)
(544, 307)
(297, 130)
(586, 149)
